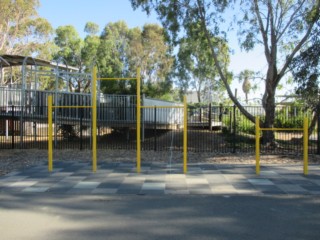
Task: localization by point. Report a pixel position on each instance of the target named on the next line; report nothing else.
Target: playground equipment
(258, 129)
(94, 122)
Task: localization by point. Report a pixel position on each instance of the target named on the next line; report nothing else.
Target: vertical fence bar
(12, 127)
(155, 128)
(257, 146)
(210, 117)
(50, 133)
(234, 130)
(318, 133)
(81, 120)
(138, 123)
(185, 133)
(305, 146)
(94, 120)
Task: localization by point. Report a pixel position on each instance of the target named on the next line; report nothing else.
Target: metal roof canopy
(18, 60)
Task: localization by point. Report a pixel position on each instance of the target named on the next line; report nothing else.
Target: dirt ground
(12, 160)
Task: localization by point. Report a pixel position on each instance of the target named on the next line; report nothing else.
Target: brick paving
(70, 177)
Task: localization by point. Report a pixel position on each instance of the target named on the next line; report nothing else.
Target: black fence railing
(216, 129)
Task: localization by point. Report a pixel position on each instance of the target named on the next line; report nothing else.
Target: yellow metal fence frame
(94, 115)
(50, 132)
(185, 129)
(94, 123)
(258, 129)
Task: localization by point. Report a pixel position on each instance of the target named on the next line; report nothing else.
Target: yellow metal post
(50, 165)
(138, 123)
(94, 120)
(305, 146)
(185, 135)
(257, 145)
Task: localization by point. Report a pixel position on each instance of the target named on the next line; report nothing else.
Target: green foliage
(289, 117)
(23, 32)
(118, 52)
(296, 122)
(123, 50)
(306, 73)
(242, 124)
(282, 28)
(195, 68)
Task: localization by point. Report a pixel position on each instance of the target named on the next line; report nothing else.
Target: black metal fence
(216, 129)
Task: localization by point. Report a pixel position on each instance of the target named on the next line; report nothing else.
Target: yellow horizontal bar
(71, 106)
(116, 78)
(282, 129)
(162, 107)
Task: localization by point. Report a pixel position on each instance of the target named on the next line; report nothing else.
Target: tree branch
(297, 48)
(290, 21)
(222, 75)
(263, 31)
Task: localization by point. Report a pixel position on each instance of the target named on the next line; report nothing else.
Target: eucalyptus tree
(76, 52)
(152, 52)
(305, 69)
(112, 58)
(22, 30)
(281, 27)
(195, 68)
(123, 50)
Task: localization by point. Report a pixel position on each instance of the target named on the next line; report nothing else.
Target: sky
(102, 12)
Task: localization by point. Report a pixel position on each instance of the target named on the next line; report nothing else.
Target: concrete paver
(157, 178)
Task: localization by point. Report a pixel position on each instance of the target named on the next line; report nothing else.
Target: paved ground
(212, 201)
(144, 217)
(121, 178)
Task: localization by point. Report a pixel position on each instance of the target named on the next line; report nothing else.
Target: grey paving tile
(280, 181)
(176, 191)
(59, 190)
(204, 191)
(260, 181)
(313, 188)
(86, 185)
(315, 181)
(291, 188)
(23, 184)
(224, 189)
(314, 192)
(242, 185)
(156, 186)
(85, 191)
(131, 185)
(15, 173)
(61, 174)
(128, 191)
(104, 191)
(270, 189)
(64, 184)
(172, 186)
(216, 179)
(305, 182)
(73, 179)
(12, 189)
(13, 178)
(35, 189)
(110, 184)
(196, 181)
(152, 192)
(269, 173)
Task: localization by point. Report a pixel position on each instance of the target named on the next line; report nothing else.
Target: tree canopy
(22, 30)
(118, 51)
(282, 28)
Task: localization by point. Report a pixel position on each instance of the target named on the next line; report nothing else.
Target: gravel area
(12, 160)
